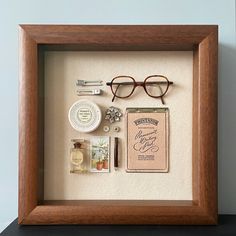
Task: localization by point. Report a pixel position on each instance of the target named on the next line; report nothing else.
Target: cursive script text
(146, 141)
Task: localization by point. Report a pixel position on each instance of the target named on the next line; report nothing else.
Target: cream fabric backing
(62, 69)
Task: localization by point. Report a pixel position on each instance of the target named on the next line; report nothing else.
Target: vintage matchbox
(147, 139)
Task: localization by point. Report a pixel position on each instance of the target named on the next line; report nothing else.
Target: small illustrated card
(100, 154)
(147, 139)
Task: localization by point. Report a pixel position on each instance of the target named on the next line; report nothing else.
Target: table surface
(227, 227)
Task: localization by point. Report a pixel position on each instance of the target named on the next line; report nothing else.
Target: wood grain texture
(116, 214)
(207, 122)
(119, 37)
(41, 97)
(195, 130)
(35, 39)
(28, 126)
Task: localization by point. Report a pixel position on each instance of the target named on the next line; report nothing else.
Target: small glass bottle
(77, 158)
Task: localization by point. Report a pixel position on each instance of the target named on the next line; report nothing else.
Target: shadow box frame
(37, 39)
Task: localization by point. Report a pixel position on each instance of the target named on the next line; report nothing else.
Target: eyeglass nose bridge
(139, 84)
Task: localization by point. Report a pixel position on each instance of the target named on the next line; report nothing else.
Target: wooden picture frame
(35, 40)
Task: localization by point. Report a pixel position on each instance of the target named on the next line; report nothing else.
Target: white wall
(14, 12)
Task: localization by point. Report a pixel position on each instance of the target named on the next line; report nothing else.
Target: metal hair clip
(84, 92)
(89, 83)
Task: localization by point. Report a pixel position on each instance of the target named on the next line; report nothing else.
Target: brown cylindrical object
(116, 159)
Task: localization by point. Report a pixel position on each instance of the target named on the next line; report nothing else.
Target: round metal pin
(116, 128)
(106, 128)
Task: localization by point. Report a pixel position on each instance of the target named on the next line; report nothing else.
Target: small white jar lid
(85, 116)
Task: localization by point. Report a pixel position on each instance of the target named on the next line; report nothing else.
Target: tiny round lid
(85, 116)
(77, 145)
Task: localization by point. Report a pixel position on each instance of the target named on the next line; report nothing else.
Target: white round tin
(85, 116)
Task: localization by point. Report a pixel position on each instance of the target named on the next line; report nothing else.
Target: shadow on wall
(227, 128)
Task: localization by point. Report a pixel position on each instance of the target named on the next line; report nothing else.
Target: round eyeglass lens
(122, 86)
(156, 86)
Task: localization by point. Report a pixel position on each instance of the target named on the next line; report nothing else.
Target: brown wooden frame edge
(202, 39)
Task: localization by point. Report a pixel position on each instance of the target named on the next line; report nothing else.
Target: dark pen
(116, 165)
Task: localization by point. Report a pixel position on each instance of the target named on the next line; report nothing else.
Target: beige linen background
(62, 69)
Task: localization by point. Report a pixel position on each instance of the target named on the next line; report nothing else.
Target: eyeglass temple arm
(131, 83)
(162, 100)
(161, 97)
(115, 93)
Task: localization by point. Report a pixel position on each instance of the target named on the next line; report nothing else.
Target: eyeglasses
(155, 86)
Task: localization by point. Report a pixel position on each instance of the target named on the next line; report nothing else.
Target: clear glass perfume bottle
(77, 158)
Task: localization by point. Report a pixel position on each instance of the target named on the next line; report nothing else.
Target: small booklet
(147, 139)
(100, 154)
